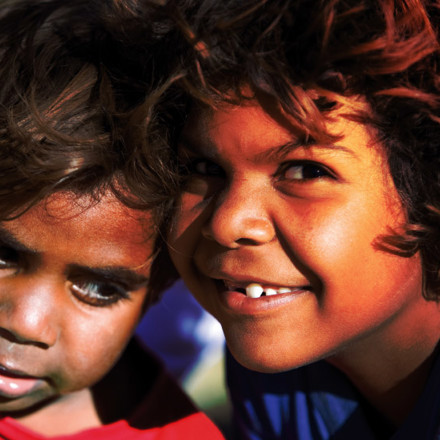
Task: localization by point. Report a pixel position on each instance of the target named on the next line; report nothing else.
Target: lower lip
(241, 304)
(14, 387)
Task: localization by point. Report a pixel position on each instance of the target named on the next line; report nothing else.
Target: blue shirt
(317, 402)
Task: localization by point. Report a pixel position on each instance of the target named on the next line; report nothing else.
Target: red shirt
(195, 426)
(162, 411)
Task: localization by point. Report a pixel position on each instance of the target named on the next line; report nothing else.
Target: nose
(240, 216)
(28, 312)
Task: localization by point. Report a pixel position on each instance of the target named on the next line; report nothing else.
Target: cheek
(91, 350)
(326, 233)
(338, 242)
(355, 275)
(186, 230)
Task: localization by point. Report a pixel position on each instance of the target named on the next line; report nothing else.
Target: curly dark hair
(307, 57)
(77, 100)
(76, 105)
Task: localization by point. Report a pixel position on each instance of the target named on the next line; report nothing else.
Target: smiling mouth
(257, 290)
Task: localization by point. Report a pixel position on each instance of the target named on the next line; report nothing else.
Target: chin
(265, 361)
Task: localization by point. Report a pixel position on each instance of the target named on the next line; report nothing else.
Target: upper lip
(245, 281)
(4, 371)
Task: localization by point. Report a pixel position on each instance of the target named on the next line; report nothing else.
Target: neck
(390, 370)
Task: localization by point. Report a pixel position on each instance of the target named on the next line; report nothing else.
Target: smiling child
(309, 222)
(75, 249)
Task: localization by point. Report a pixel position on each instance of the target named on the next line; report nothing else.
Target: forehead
(95, 230)
(253, 132)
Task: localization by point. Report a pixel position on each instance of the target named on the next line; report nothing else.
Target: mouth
(256, 290)
(247, 297)
(14, 384)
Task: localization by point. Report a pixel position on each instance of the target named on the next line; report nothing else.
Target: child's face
(298, 223)
(72, 287)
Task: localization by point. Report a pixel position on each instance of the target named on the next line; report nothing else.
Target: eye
(202, 177)
(99, 293)
(202, 167)
(9, 258)
(303, 171)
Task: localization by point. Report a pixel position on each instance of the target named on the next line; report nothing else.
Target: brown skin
(307, 219)
(63, 321)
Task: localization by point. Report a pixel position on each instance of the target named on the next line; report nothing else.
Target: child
(309, 222)
(75, 254)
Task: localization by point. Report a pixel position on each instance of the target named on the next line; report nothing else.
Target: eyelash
(93, 292)
(310, 171)
(9, 258)
(191, 167)
(99, 293)
(315, 170)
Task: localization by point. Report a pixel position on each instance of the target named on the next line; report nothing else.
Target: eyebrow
(278, 152)
(6, 238)
(116, 274)
(192, 145)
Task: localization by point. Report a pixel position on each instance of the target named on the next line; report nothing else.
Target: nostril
(255, 232)
(240, 230)
(16, 339)
(247, 242)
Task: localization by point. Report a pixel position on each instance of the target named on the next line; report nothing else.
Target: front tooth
(254, 290)
(270, 292)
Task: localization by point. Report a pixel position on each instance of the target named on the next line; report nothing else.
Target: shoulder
(154, 397)
(163, 401)
(424, 421)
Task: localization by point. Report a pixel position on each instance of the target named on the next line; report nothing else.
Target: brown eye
(305, 171)
(98, 293)
(202, 177)
(203, 167)
(9, 258)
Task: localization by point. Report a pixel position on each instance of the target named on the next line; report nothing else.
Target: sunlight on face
(263, 213)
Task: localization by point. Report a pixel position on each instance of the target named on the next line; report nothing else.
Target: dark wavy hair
(75, 106)
(77, 99)
(307, 56)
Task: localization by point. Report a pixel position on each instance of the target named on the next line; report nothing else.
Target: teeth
(270, 292)
(255, 290)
